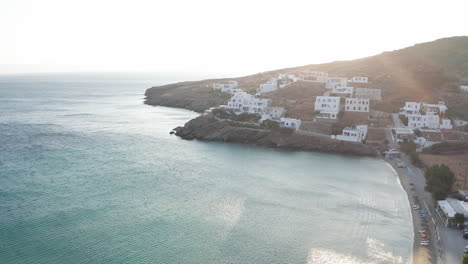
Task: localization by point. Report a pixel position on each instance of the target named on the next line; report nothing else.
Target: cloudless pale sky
(213, 36)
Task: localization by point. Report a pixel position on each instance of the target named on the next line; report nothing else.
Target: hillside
(424, 72)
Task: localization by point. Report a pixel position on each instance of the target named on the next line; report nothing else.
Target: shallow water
(89, 174)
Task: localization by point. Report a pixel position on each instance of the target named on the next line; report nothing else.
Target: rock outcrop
(196, 96)
(211, 129)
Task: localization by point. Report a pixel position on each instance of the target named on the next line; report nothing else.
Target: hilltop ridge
(428, 71)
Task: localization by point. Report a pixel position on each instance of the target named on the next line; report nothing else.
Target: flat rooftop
(453, 206)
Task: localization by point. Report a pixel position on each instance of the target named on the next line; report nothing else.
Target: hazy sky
(224, 37)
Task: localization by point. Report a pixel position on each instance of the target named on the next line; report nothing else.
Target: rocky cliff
(211, 129)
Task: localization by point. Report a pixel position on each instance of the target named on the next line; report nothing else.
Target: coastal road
(451, 243)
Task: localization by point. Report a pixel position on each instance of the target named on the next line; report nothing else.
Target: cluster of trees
(410, 149)
(439, 181)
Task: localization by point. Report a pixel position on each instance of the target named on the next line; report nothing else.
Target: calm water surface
(89, 174)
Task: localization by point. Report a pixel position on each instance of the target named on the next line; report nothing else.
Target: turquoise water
(89, 174)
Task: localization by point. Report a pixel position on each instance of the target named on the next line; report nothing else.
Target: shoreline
(420, 254)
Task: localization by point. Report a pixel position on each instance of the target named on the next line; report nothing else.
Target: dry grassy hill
(424, 72)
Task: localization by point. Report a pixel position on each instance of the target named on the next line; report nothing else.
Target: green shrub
(269, 124)
(418, 132)
(410, 149)
(439, 181)
(404, 120)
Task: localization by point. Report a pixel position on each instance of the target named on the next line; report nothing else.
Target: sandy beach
(421, 254)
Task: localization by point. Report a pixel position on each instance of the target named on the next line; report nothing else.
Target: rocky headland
(209, 128)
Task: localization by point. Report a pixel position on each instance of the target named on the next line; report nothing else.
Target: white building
(276, 112)
(327, 106)
(242, 102)
(427, 120)
(343, 91)
(426, 115)
(410, 108)
(334, 82)
(402, 135)
(420, 140)
(445, 123)
(273, 113)
(359, 79)
(371, 94)
(270, 86)
(354, 134)
(357, 105)
(435, 108)
(314, 76)
(464, 88)
(290, 122)
(226, 87)
(448, 208)
(460, 123)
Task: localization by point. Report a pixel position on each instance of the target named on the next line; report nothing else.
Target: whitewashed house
(273, 113)
(402, 135)
(435, 108)
(420, 141)
(460, 123)
(426, 115)
(343, 91)
(290, 123)
(359, 79)
(314, 76)
(334, 82)
(464, 88)
(357, 105)
(226, 87)
(242, 102)
(369, 93)
(445, 123)
(354, 134)
(276, 112)
(327, 106)
(270, 86)
(427, 120)
(410, 108)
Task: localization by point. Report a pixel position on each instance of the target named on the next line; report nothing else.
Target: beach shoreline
(420, 254)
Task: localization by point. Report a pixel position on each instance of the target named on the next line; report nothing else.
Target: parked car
(466, 250)
(401, 165)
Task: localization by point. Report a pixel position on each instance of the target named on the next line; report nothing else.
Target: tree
(418, 132)
(410, 149)
(459, 219)
(404, 120)
(465, 259)
(439, 181)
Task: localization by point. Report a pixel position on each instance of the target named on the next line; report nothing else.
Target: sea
(90, 174)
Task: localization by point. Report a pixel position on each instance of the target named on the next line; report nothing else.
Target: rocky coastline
(209, 128)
